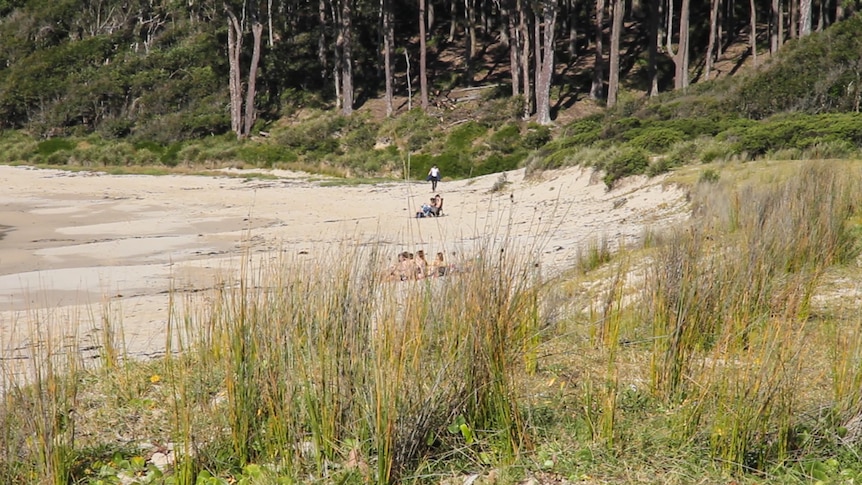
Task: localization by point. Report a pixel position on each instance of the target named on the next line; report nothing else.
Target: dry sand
(77, 245)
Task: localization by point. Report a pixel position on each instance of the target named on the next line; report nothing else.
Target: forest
(164, 72)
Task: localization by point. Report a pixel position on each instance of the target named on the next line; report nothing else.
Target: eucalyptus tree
(523, 26)
(752, 30)
(652, 45)
(597, 87)
(344, 52)
(423, 57)
(388, 47)
(681, 56)
(614, 64)
(804, 17)
(710, 48)
(545, 59)
(515, 40)
(249, 13)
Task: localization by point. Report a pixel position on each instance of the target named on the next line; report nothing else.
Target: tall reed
(728, 298)
(326, 361)
(46, 388)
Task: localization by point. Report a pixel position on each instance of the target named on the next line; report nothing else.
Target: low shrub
(314, 135)
(361, 134)
(462, 137)
(551, 159)
(627, 162)
(827, 149)
(717, 151)
(419, 140)
(265, 154)
(498, 162)
(658, 140)
(506, 139)
(500, 109)
(709, 176)
(169, 156)
(684, 152)
(53, 145)
(536, 136)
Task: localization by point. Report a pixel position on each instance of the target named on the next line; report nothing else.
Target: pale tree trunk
(514, 46)
(653, 47)
(821, 15)
(504, 29)
(669, 23)
(775, 23)
(269, 20)
(794, 19)
(453, 14)
(470, 48)
(339, 54)
(321, 40)
(572, 17)
(388, 46)
(804, 18)
(423, 61)
(430, 15)
(525, 57)
(234, 48)
(347, 56)
(614, 67)
(781, 38)
(250, 111)
(710, 49)
(680, 58)
(537, 50)
(753, 31)
(597, 88)
(720, 30)
(470, 19)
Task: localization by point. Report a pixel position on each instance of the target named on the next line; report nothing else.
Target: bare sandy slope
(81, 245)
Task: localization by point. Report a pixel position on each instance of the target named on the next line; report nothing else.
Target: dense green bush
(265, 154)
(796, 131)
(497, 109)
(413, 123)
(315, 135)
(500, 163)
(627, 162)
(506, 139)
(53, 145)
(461, 137)
(614, 128)
(658, 140)
(817, 73)
(169, 157)
(536, 136)
(360, 134)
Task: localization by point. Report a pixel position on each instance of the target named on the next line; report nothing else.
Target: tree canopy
(164, 71)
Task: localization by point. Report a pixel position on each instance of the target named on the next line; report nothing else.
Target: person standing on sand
(434, 177)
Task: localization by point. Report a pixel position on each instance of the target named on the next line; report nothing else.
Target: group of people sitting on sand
(432, 209)
(415, 267)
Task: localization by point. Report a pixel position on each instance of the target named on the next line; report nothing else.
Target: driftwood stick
(475, 88)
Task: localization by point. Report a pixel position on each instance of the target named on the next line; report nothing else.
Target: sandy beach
(76, 245)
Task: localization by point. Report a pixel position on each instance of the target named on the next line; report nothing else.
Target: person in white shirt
(434, 177)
